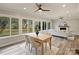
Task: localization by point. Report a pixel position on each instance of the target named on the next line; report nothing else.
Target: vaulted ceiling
(67, 10)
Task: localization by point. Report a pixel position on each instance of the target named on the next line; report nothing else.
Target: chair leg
(36, 51)
(29, 46)
(25, 45)
(49, 46)
(31, 49)
(46, 46)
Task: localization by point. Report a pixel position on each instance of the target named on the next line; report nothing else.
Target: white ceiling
(71, 10)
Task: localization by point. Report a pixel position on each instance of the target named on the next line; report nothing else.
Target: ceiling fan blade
(40, 8)
(45, 10)
(38, 5)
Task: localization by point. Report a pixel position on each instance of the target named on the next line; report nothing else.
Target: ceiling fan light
(39, 10)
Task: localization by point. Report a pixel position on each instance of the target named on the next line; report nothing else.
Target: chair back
(34, 42)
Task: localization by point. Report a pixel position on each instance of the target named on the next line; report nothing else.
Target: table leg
(42, 49)
(50, 43)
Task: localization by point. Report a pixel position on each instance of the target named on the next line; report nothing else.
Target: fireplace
(62, 28)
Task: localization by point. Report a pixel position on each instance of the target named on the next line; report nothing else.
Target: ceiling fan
(40, 8)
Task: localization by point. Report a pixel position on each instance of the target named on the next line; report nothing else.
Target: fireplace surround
(64, 28)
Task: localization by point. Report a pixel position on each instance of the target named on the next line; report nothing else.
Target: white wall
(73, 23)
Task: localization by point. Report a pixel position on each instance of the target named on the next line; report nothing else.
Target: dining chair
(27, 40)
(35, 44)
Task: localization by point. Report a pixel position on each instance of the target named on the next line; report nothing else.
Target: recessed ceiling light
(64, 5)
(24, 8)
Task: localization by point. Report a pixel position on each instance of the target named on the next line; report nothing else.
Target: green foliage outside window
(14, 26)
(27, 26)
(4, 26)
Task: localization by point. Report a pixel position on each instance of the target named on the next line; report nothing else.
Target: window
(14, 26)
(27, 26)
(37, 25)
(24, 25)
(43, 25)
(8, 27)
(48, 25)
(4, 26)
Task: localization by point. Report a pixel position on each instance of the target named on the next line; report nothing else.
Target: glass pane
(48, 25)
(27, 26)
(36, 25)
(24, 25)
(14, 26)
(4, 26)
(39, 25)
(42, 25)
(45, 25)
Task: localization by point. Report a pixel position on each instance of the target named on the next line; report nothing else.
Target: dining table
(42, 38)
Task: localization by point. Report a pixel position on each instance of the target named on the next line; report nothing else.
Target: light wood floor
(60, 46)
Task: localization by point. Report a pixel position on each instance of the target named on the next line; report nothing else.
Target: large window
(27, 25)
(4, 26)
(14, 26)
(43, 25)
(11, 26)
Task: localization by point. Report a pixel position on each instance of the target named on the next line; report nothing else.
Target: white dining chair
(27, 40)
(35, 44)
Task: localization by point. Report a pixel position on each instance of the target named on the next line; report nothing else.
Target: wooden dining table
(42, 38)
